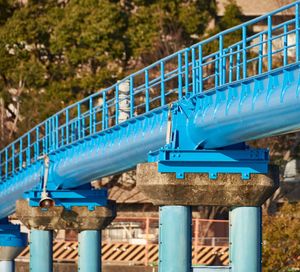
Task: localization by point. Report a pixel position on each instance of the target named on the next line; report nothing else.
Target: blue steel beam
(254, 108)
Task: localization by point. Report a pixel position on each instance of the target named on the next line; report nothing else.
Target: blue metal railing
(230, 56)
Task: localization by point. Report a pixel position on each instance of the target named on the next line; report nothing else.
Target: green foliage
(281, 240)
(55, 52)
(158, 28)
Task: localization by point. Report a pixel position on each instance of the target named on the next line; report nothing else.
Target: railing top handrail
(210, 39)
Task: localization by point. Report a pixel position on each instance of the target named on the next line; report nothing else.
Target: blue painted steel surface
(10, 235)
(41, 251)
(245, 162)
(7, 266)
(245, 239)
(212, 269)
(175, 239)
(100, 155)
(251, 109)
(229, 105)
(89, 250)
(69, 199)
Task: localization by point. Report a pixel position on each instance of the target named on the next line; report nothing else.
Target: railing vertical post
(260, 53)
(56, 131)
(238, 62)
(285, 45)
(230, 64)
(186, 60)
(21, 154)
(270, 47)
(91, 115)
(147, 90)
(216, 70)
(28, 150)
(200, 55)
(37, 146)
(244, 33)
(179, 76)
(104, 109)
(6, 163)
(131, 94)
(194, 79)
(162, 83)
(62, 135)
(297, 25)
(52, 133)
(13, 158)
(221, 68)
(78, 121)
(67, 126)
(117, 108)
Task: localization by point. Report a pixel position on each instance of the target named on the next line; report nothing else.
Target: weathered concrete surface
(79, 218)
(72, 267)
(8, 253)
(199, 189)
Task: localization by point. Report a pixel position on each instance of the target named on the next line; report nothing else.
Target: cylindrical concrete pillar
(7, 266)
(89, 251)
(245, 239)
(41, 251)
(175, 239)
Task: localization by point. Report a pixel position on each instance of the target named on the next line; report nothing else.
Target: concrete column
(41, 251)
(89, 251)
(245, 239)
(7, 266)
(175, 239)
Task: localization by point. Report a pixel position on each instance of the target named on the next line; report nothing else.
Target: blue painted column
(89, 250)
(175, 239)
(7, 266)
(41, 251)
(245, 239)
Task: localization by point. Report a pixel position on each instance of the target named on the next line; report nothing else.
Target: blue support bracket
(69, 199)
(10, 235)
(244, 162)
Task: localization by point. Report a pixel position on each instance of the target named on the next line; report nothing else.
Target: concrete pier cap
(57, 217)
(198, 189)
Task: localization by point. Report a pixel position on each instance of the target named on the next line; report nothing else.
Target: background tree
(281, 247)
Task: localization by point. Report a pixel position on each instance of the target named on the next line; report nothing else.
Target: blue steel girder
(244, 162)
(253, 108)
(71, 198)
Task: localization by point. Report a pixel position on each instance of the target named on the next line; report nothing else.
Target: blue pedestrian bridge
(236, 86)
